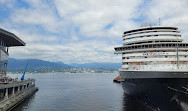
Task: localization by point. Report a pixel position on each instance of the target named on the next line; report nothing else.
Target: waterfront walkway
(13, 93)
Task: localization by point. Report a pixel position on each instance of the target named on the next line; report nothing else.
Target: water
(74, 92)
(84, 92)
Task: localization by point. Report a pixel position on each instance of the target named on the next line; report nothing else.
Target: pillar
(6, 93)
(13, 90)
(18, 88)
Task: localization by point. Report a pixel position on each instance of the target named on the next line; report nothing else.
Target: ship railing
(149, 47)
(153, 34)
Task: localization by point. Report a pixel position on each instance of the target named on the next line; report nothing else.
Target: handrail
(16, 95)
(15, 84)
(147, 47)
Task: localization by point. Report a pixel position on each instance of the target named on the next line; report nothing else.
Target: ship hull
(160, 90)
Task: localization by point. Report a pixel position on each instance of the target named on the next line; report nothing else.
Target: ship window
(185, 56)
(146, 57)
(123, 57)
(127, 57)
(166, 56)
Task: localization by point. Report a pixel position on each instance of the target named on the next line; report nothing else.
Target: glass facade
(3, 62)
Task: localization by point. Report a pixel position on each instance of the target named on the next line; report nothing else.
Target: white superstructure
(155, 48)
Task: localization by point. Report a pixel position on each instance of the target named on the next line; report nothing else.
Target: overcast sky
(83, 31)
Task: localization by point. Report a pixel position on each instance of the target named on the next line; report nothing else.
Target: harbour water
(83, 92)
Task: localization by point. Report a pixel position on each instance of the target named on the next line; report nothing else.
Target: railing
(16, 95)
(152, 47)
(16, 83)
(152, 38)
(149, 31)
(153, 59)
(169, 54)
(152, 34)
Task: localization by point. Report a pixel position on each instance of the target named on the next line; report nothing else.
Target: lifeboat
(117, 79)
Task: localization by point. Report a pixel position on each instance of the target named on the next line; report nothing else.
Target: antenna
(150, 24)
(159, 21)
(141, 24)
(145, 24)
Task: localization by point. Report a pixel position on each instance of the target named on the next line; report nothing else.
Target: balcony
(152, 47)
(153, 38)
(151, 34)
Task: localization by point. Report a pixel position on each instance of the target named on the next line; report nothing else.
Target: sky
(83, 31)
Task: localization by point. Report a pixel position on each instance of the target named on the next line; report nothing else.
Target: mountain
(97, 65)
(34, 64)
(18, 65)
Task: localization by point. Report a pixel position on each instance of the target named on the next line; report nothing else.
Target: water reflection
(177, 103)
(25, 104)
(135, 104)
(89, 92)
(182, 102)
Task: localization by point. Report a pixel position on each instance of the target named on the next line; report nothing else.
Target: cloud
(83, 31)
(85, 52)
(70, 31)
(93, 16)
(171, 12)
(2, 1)
(40, 14)
(31, 38)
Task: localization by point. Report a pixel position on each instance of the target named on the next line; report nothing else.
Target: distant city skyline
(83, 31)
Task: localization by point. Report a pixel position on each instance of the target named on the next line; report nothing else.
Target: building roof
(10, 39)
(150, 28)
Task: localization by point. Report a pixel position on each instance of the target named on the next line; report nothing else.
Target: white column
(13, 90)
(6, 93)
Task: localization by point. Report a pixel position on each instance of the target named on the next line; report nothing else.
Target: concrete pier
(11, 94)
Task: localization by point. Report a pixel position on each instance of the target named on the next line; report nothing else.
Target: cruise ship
(154, 62)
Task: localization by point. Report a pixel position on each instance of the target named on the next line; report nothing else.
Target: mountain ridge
(34, 64)
(15, 65)
(108, 65)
